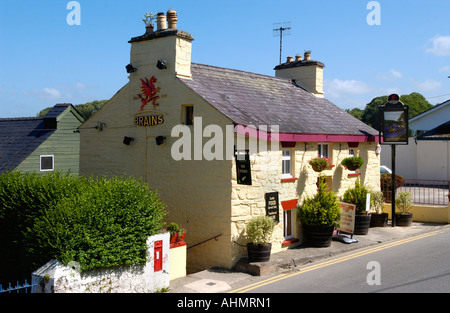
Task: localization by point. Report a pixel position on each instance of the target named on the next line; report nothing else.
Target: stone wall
(55, 277)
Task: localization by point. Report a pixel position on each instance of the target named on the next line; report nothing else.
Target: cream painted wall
(201, 195)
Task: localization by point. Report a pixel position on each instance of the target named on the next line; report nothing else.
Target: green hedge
(97, 222)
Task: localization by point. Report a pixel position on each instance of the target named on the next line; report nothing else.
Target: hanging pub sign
(393, 121)
(243, 169)
(272, 205)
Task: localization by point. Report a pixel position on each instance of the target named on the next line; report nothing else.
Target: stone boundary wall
(55, 277)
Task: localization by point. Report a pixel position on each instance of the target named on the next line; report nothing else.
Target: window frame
(288, 225)
(40, 163)
(320, 147)
(288, 158)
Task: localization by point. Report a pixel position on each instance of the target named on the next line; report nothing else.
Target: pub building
(176, 125)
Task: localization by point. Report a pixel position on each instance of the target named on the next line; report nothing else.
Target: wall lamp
(160, 140)
(161, 64)
(127, 140)
(130, 68)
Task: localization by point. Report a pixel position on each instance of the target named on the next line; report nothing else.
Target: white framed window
(47, 163)
(286, 163)
(323, 150)
(288, 229)
(351, 153)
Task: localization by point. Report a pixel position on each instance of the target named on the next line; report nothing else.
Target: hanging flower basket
(352, 163)
(319, 164)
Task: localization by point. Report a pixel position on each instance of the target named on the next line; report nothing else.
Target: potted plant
(148, 20)
(352, 163)
(357, 196)
(259, 235)
(319, 163)
(378, 218)
(404, 202)
(319, 215)
(177, 233)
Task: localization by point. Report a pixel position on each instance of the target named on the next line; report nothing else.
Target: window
(46, 163)
(323, 150)
(286, 163)
(288, 229)
(188, 115)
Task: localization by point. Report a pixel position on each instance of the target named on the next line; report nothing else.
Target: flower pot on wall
(317, 235)
(258, 253)
(403, 219)
(362, 224)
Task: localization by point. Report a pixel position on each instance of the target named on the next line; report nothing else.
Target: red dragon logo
(149, 91)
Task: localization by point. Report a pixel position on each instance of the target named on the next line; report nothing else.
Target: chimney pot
(298, 57)
(161, 22)
(172, 19)
(290, 59)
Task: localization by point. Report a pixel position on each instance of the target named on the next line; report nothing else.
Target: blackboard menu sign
(272, 205)
(243, 169)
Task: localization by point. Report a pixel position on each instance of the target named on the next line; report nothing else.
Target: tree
(86, 110)
(356, 112)
(415, 101)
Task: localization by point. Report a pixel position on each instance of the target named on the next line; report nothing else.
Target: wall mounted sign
(272, 206)
(149, 92)
(148, 120)
(149, 95)
(243, 168)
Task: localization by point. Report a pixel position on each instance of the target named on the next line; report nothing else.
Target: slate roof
(19, 137)
(442, 132)
(255, 99)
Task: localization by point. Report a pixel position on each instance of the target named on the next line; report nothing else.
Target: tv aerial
(279, 29)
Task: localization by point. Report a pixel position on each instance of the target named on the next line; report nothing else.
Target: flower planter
(317, 235)
(403, 219)
(258, 253)
(378, 220)
(318, 168)
(362, 223)
(351, 167)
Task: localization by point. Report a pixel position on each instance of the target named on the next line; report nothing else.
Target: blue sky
(44, 61)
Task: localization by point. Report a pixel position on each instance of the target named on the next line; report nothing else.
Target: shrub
(97, 222)
(321, 209)
(404, 202)
(357, 195)
(259, 230)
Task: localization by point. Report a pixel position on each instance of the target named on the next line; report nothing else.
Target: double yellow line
(334, 261)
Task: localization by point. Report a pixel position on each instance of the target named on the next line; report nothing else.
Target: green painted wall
(63, 144)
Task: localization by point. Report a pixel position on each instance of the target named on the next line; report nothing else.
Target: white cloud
(441, 45)
(428, 85)
(391, 76)
(44, 94)
(444, 69)
(51, 93)
(396, 74)
(337, 88)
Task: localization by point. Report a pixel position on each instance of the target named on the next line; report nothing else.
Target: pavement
(218, 280)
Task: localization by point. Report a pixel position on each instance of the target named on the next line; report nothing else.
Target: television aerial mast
(279, 29)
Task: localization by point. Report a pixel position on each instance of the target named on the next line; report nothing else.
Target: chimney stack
(307, 73)
(172, 19)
